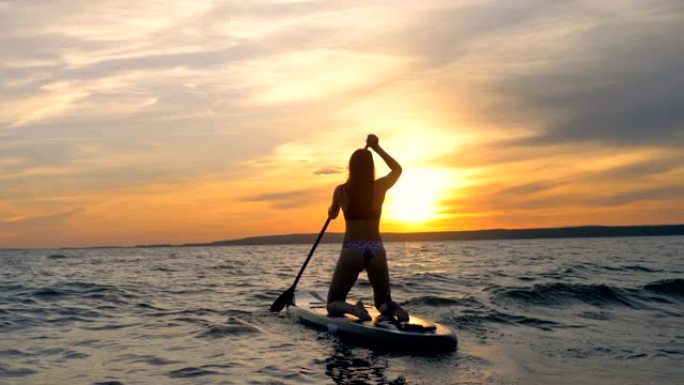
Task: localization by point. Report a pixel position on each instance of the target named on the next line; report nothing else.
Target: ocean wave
(476, 320)
(150, 359)
(431, 277)
(437, 301)
(110, 326)
(15, 372)
(156, 361)
(47, 293)
(147, 306)
(70, 290)
(639, 268)
(232, 327)
(164, 268)
(552, 294)
(669, 287)
(192, 311)
(14, 353)
(635, 268)
(598, 316)
(232, 265)
(618, 353)
(669, 353)
(557, 294)
(57, 256)
(590, 270)
(190, 372)
(63, 353)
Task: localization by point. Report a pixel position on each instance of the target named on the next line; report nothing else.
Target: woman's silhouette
(361, 201)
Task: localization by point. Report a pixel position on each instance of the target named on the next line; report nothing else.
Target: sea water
(552, 311)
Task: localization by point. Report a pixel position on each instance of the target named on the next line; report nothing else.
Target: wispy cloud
(329, 170)
(28, 223)
(285, 199)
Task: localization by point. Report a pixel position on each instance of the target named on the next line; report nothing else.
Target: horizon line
(236, 241)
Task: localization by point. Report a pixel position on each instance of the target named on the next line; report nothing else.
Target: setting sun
(415, 198)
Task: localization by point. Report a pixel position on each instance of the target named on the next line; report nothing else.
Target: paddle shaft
(320, 235)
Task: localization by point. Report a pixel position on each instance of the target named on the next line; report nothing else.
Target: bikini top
(356, 212)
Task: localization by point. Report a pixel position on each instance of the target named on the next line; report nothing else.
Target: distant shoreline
(470, 235)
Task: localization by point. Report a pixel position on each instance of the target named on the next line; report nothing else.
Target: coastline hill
(558, 232)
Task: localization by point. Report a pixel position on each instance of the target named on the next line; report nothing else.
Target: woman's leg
(378, 275)
(349, 265)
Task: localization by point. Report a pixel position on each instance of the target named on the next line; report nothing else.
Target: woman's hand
(372, 141)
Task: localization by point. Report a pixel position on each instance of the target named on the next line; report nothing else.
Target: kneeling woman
(361, 201)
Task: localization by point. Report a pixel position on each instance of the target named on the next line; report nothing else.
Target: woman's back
(362, 219)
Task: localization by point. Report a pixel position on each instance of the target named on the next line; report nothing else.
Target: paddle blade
(283, 300)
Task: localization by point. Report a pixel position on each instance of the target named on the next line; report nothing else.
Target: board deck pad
(310, 306)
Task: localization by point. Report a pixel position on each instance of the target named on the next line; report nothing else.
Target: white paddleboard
(310, 307)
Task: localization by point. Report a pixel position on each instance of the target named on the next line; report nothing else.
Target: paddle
(286, 298)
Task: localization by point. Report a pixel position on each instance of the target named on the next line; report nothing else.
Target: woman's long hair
(360, 182)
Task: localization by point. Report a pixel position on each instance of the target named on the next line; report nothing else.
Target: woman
(361, 201)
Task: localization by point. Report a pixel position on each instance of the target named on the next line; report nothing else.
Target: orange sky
(173, 122)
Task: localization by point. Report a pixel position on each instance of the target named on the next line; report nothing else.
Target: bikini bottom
(366, 248)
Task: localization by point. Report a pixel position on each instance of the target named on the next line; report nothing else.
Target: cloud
(25, 223)
(664, 193)
(641, 170)
(329, 170)
(531, 188)
(616, 80)
(286, 199)
(574, 187)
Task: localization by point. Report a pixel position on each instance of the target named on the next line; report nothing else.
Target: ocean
(552, 311)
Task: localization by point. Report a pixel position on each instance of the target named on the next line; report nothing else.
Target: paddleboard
(417, 334)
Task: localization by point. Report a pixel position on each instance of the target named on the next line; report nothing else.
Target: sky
(140, 122)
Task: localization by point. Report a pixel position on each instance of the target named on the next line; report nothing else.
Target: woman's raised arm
(395, 169)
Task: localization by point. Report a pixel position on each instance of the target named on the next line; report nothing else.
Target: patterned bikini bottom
(366, 248)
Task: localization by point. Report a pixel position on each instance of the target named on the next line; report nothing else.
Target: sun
(414, 200)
